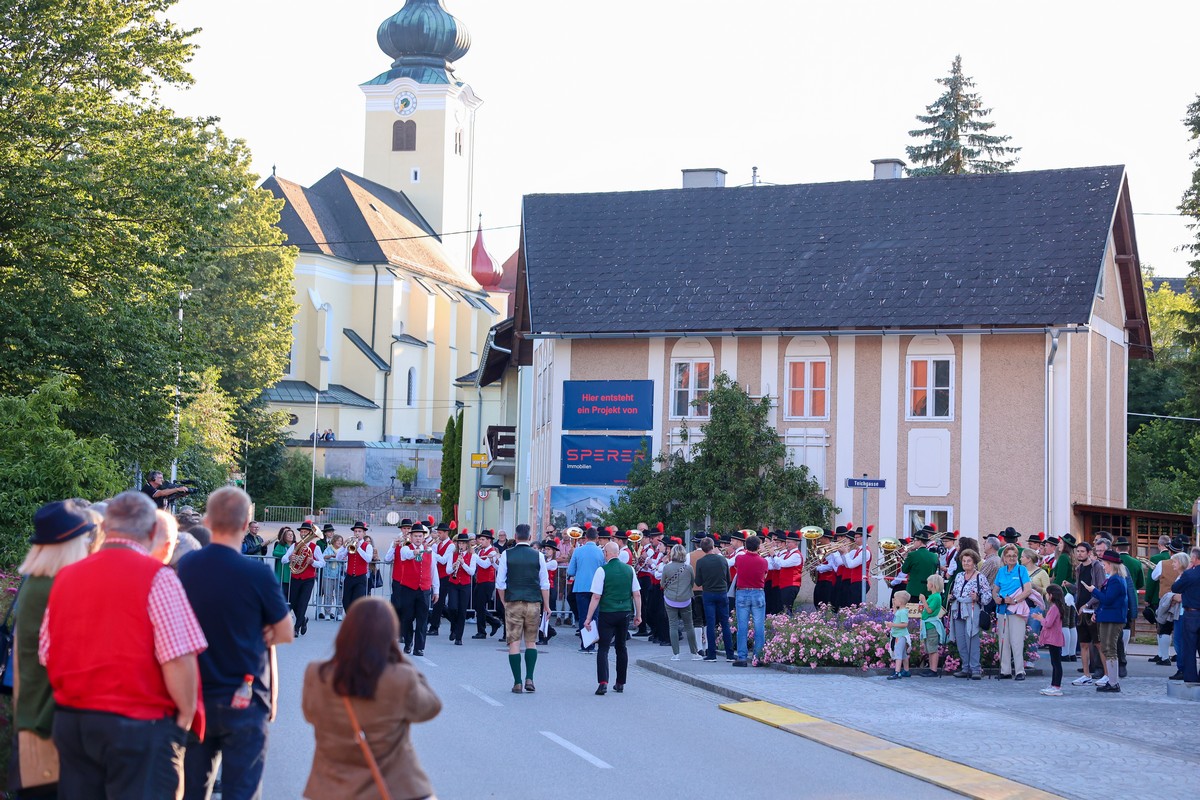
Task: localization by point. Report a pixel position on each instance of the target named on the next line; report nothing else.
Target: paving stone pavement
(1002, 727)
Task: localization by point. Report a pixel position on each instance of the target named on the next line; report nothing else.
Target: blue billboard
(608, 405)
(600, 460)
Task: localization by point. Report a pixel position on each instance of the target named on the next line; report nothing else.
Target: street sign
(866, 483)
(479, 460)
(483, 494)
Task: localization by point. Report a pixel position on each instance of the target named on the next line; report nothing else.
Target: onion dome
(424, 39)
(484, 269)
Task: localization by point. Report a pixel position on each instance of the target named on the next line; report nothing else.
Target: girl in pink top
(1052, 636)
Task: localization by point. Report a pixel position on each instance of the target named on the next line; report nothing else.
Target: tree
(957, 137)
(451, 465)
(42, 460)
(739, 475)
(1156, 387)
(115, 214)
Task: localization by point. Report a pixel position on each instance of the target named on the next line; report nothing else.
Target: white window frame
(925, 512)
(789, 412)
(929, 405)
(676, 444)
(692, 412)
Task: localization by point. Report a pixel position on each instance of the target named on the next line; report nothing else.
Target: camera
(187, 485)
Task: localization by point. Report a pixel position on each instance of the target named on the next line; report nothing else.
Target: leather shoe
(479, 636)
(458, 641)
(495, 628)
(602, 689)
(529, 687)
(433, 632)
(517, 688)
(418, 652)
(408, 648)
(1122, 672)
(619, 688)
(1178, 676)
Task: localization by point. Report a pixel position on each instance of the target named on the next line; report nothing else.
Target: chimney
(711, 178)
(888, 168)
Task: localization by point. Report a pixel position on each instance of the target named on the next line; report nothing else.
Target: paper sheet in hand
(545, 626)
(589, 638)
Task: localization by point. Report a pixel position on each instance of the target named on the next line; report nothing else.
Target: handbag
(7, 643)
(361, 737)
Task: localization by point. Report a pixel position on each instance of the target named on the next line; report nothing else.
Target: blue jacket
(1188, 585)
(1114, 603)
(584, 562)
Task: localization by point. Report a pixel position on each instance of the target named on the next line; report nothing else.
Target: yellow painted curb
(950, 775)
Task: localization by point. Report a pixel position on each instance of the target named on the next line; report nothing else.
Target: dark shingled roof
(1018, 249)
(355, 219)
(302, 393)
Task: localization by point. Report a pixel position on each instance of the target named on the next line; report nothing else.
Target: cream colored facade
(1013, 417)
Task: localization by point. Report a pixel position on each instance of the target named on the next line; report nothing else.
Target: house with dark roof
(964, 338)
(395, 302)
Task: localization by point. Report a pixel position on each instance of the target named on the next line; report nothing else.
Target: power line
(358, 241)
(1163, 416)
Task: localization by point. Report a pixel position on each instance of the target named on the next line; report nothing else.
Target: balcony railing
(502, 442)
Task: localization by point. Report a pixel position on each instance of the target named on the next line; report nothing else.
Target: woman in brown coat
(387, 693)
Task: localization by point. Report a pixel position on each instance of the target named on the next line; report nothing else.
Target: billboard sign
(600, 460)
(608, 405)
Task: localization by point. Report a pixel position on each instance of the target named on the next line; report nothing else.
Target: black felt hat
(1069, 540)
(58, 522)
(359, 525)
(463, 537)
(1010, 535)
(486, 533)
(549, 543)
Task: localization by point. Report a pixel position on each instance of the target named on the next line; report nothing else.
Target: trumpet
(352, 548)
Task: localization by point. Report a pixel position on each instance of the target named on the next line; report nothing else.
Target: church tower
(420, 122)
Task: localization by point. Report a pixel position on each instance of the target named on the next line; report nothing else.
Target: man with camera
(161, 493)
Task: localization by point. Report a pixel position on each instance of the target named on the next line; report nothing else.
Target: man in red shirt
(751, 599)
(414, 583)
(119, 643)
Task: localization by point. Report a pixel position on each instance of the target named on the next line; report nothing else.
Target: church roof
(301, 393)
(349, 217)
(1017, 249)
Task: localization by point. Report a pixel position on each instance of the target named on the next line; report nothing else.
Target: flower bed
(857, 637)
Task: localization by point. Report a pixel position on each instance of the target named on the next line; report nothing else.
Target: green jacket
(1136, 570)
(919, 565)
(1152, 596)
(1064, 569)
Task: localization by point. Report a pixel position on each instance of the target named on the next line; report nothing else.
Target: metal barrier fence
(326, 602)
(283, 513)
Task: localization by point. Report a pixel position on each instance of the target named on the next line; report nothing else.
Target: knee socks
(530, 662)
(1164, 647)
(514, 663)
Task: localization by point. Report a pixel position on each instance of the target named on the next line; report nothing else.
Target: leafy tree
(294, 485)
(1156, 387)
(739, 475)
(451, 465)
(43, 460)
(957, 137)
(114, 214)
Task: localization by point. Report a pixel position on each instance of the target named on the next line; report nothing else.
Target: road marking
(579, 751)
(938, 771)
(485, 698)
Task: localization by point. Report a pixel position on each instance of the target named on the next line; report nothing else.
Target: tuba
(575, 532)
(302, 557)
(892, 555)
(635, 543)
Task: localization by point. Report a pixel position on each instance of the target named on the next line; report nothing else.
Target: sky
(622, 95)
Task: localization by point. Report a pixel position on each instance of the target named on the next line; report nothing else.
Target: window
(807, 388)
(930, 385)
(690, 382)
(807, 447)
(681, 441)
(412, 386)
(404, 136)
(917, 517)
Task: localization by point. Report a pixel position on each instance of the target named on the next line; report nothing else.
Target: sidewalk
(1081, 745)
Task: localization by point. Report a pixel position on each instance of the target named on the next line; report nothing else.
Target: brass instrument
(575, 532)
(352, 548)
(892, 555)
(635, 543)
(302, 557)
(817, 555)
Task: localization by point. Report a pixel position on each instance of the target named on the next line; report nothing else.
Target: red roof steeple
(485, 269)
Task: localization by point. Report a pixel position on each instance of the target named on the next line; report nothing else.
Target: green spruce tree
(957, 138)
(451, 464)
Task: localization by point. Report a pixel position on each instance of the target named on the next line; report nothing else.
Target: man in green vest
(920, 563)
(1152, 600)
(615, 594)
(523, 583)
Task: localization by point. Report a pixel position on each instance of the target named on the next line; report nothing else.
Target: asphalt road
(660, 738)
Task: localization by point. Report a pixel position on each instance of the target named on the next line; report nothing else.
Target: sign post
(866, 484)
(479, 460)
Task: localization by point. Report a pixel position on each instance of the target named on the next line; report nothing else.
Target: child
(933, 631)
(899, 638)
(1052, 636)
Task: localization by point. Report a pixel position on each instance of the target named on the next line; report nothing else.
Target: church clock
(405, 103)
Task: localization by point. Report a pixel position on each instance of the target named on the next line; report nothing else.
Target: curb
(927, 767)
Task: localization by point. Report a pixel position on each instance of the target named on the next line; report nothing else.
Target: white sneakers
(1103, 681)
(1050, 691)
(675, 657)
(697, 656)
(1083, 680)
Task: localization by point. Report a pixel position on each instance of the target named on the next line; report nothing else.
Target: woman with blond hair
(362, 704)
(677, 579)
(1010, 588)
(64, 532)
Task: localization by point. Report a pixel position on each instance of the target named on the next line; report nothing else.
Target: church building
(391, 312)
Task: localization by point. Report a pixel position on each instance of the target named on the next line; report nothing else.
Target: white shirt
(854, 559)
(790, 558)
(467, 564)
(318, 556)
(409, 554)
(598, 583)
(502, 570)
(832, 562)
